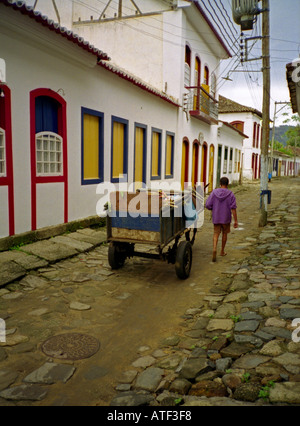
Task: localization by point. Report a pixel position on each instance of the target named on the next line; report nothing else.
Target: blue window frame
(140, 152)
(169, 155)
(92, 146)
(119, 149)
(156, 154)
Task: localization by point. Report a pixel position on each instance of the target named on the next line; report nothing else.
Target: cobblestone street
(221, 337)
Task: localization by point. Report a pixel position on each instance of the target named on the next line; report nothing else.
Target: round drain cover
(71, 346)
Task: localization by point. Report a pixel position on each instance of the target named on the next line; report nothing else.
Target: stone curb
(16, 264)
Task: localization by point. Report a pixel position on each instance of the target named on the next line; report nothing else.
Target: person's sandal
(214, 256)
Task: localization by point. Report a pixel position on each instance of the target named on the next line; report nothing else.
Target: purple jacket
(221, 201)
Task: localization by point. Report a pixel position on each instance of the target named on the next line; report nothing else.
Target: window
(254, 135)
(257, 135)
(197, 84)
(2, 154)
(187, 66)
(48, 143)
(185, 164)
(140, 156)
(169, 155)
(230, 160)
(119, 156)
(213, 85)
(239, 125)
(206, 76)
(236, 160)
(195, 161)
(92, 146)
(48, 154)
(48, 146)
(225, 160)
(156, 154)
(205, 106)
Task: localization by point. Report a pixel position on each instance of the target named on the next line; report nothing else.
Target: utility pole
(244, 12)
(273, 132)
(266, 111)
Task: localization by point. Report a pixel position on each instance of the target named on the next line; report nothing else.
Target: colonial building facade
(248, 121)
(74, 118)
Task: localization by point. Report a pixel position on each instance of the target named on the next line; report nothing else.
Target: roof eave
(217, 35)
(137, 82)
(234, 128)
(292, 87)
(64, 32)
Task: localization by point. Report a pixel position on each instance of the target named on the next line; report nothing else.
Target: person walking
(222, 203)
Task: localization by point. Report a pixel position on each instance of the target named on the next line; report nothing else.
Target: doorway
(195, 166)
(185, 164)
(211, 167)
(204, 164)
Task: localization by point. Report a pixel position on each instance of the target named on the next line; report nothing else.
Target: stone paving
(237, 345)
(238, 348)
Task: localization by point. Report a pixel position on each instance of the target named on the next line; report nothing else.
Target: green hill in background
(280, 133)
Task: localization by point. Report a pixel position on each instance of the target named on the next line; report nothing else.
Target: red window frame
(254, 134)
(62, 131)
(8, 180)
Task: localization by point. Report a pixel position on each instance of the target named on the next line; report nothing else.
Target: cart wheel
(183, 260)
(116, 258)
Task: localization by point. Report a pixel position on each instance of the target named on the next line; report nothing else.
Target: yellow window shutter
(91, 146)
(155, 154)
(118, 150)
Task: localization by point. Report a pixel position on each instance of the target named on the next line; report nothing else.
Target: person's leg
(224, 241)
(217, 230)
(225, 231)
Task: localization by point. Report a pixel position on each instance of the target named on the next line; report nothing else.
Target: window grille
(187, 75)
(49, 157)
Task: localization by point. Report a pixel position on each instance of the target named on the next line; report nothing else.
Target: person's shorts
(221, 227)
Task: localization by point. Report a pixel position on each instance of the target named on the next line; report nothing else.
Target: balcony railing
(200, 104)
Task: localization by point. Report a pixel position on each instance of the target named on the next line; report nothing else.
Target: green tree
(293, 134)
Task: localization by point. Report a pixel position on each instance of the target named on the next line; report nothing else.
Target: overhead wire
(145, 32)
(235, 60)
(215, 21)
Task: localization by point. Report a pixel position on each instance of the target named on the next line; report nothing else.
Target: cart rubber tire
(116, 258)
(183, 260)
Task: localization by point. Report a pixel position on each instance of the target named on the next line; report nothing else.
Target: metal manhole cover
(71, 346)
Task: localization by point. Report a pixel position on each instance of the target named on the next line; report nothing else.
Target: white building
(285, 165)
(72, 120)
(173, 46)
(248, 121)
(67, 124)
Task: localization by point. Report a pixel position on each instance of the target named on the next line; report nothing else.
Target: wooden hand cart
(156, 219)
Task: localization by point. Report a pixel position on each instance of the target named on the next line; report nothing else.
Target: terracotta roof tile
(227, 105)
(138, 82)
(64, 32)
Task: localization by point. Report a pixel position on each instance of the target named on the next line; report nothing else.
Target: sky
(247, 87)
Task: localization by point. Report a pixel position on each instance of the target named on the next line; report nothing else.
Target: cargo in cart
(155, 218)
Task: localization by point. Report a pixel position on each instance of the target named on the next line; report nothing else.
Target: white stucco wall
(248, 150)
(230, 139)
(64, 8)
(30, 67)
(38, 58)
